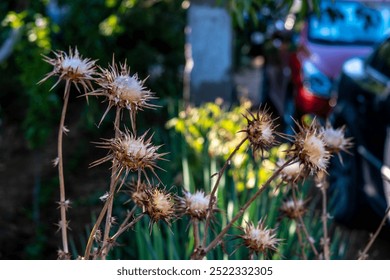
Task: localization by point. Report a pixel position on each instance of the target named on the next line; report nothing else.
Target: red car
(342, 29)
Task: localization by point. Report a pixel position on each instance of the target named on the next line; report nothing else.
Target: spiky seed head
(196, 204)
(292, 172)
(157, 203)
(161, 205)
(71, 67)
(139, 194)
(259, 239)
(122, 89)
(335, 140)
(293, 209)
(309, 148)
(61, 255)
(260, 130)
(131, 153)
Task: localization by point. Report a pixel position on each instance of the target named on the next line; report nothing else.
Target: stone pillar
(208, 53)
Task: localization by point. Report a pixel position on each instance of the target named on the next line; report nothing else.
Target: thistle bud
(197, 204)
(335, 140)
(260, 131)
(71, 67)
(259, 239)
(161, 206)
(310, 149)
(130, 153)
(293, 209)
(122, 89)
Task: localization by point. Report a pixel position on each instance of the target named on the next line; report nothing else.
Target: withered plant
(73, 69)
(134, 160)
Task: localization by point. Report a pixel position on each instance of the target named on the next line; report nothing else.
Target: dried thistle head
(61, 255)
(138, 193)
(72, 68)
(161, 205)
(196, 205)
(293, 209)
(292, 172)
(157, 203)
(131, 153)
(259, 239)
(335, 140)
(260, 130)
(310, 149)
(122, 90)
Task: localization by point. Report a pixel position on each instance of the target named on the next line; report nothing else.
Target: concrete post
(208, 53)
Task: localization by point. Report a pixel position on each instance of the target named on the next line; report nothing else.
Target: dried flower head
(71, 68)
(157, 203)
(292, 172)
(260, 130)
(123, 90)
(161, 205)
(139, 194)
(61, 255)
(335, 140)
(309, 148)
(258, 239)
(196, 204)
(131, 153)
(293, 209)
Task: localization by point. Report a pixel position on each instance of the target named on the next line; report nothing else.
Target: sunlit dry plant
(291, 173)
(61, 255)
(196, 205)
(157, 203)
(293, 209)
(122, 90)
(260, 131)
(130, 153)
(160, 205)
(335, 140)
(71, 68)
(138, 193)
(310, 149)
(259, 239)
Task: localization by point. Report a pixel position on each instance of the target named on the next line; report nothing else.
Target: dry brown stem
(62, 203)
(214, 190)
(113, 181)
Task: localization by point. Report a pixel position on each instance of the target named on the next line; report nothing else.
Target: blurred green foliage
(242, 9)
(212, 132)
(145, 33)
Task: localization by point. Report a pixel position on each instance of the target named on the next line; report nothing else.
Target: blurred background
(328, 59)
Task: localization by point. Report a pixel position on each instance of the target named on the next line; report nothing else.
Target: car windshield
(350, 23)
